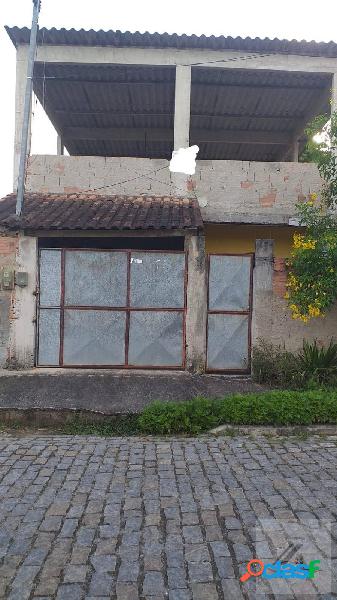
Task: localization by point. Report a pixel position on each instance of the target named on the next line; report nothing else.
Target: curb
(275, 430)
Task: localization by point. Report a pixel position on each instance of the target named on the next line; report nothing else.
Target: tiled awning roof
(97, 212)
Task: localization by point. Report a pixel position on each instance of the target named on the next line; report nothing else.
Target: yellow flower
(301, 243)
(314, 311)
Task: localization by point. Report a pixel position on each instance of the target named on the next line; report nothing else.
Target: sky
(289, 19)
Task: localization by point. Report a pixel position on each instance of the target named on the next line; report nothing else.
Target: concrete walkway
(109, 391)
(171, 519)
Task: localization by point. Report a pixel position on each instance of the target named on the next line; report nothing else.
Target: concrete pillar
(294, 151)
(334, 93)
(262, 317)
(22, 335)
(20, 88)
(60, 146)
(196, 315)
(182, 107)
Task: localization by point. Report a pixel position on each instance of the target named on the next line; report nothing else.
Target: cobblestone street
(127, 518)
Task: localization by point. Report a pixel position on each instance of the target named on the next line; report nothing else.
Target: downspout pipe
(27, 108)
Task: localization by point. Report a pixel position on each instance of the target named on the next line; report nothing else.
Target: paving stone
(153, 584)
(180, 595)
(204, 591)
(83, 517)
(75, 574)
(126, 592)
(101, 584)
(70, 592)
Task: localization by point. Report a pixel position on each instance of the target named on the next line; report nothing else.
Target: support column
(294, 151)
(20, 88)
(22, 334)
(182, 107)
(334, 93)
(262, 317)
(196, 315)
(60, 146)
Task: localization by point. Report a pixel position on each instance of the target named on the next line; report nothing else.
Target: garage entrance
(111, 308)
(230, 279)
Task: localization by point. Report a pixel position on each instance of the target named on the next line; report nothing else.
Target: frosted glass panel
(94, 337)
(229, 280)
(157, 280)
(50, 278)
(227, 342)
(156, 339)
(95, 278)
(49, 337)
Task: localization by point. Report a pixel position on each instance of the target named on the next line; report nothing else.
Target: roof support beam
(156, 135)
(111, 113)
(172, 56)
(209, 84)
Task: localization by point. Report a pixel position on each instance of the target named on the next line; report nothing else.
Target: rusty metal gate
(111, 308)
(229, 312)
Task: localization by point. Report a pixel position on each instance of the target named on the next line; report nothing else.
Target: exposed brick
(268, 200)
(279, 277)
(246, 185)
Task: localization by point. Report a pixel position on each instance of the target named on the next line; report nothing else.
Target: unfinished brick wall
(279, 277)
(228, 190)
(8, 250)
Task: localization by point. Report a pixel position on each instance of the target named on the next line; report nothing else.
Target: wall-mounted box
(7, 278)
(21, 278)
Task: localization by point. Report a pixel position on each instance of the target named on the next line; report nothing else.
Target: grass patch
(192, 417)
(117, 426)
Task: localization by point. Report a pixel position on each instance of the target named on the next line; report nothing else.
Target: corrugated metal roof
(165, 40)
(96, 212)
(126, 98)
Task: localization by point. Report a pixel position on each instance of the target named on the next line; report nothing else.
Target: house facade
(116, 261)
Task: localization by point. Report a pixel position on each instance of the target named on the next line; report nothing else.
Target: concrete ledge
(109, 392)
(271, 430)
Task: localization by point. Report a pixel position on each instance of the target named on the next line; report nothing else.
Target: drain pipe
(26, 109)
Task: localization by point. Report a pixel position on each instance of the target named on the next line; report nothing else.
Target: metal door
(229, 312)
(111, 308)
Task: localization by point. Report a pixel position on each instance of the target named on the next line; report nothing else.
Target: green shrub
(274, 365)
(310, 367)
(192, 416)
(279, 407)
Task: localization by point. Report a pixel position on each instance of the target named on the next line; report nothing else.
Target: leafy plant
(312, 278)
(192, 416)
(279, 407)
(273, 365)
(318, 363)
(312, 366)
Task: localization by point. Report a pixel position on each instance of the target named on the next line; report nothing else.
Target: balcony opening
(254, 115)
(109, 110)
